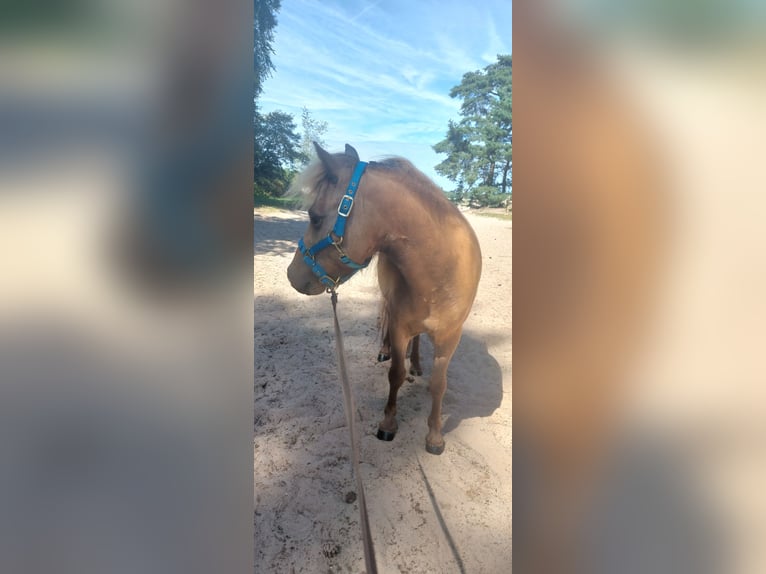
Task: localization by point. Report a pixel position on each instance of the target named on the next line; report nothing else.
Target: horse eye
(316, 220)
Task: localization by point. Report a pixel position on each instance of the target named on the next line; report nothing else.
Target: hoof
(385, 435)
(383, 357)
(434, 449)
(417, 372)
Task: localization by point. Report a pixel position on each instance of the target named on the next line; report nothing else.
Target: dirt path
(302, 470)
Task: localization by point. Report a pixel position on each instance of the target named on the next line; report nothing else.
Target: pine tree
(479, 146)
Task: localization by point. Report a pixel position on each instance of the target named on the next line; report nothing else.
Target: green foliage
(459, 165)
(479, 147)
(278, 150)
(486, 196)
(276, 153)
(265, 22)
(261, 198)
(507, 216)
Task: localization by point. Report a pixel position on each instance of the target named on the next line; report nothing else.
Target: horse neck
(402, 220)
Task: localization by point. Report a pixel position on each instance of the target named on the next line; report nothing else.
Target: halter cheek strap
(338, 230)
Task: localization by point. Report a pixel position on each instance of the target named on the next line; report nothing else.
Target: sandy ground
(301, 454)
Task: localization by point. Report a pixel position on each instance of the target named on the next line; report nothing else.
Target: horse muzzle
(302, 279)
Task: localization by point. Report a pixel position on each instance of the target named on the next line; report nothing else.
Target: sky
(379, 72)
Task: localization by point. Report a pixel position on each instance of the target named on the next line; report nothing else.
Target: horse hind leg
(388, 426)
(443, 351)
(385, 349)
(415, 368)
(384, 354)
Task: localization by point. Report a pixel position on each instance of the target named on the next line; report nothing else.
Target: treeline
(279, 150)
(478, 147)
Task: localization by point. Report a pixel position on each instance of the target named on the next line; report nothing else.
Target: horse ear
(351, 152)
(329, 163)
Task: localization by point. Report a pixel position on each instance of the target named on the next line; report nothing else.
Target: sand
(303, 519)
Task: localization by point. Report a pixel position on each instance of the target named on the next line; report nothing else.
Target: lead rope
(348, 403)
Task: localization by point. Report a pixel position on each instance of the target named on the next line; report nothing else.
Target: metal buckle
(335, 282)
(350, 205)
(336, 244)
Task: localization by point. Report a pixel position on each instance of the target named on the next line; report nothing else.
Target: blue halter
(344, 210)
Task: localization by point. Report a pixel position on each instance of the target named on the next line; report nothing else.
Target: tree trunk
(505, 174)
(491, 175)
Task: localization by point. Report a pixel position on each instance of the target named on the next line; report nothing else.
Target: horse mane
(306, 185)
(403, 169)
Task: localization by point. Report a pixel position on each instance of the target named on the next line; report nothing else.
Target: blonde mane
(304, 187)
(306, 184)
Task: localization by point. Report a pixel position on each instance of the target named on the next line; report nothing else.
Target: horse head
(331, 249)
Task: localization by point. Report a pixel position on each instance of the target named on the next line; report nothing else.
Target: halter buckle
(326, 279)
(345, 205)
(337, 244)
(344, 209)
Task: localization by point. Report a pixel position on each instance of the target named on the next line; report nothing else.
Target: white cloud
(380, 73)
(496, 44)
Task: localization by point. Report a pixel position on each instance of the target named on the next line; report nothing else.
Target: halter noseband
(344, 210)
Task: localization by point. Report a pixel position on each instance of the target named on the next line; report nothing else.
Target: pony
(428, 260)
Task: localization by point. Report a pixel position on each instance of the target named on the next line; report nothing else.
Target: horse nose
(291, 277)
(297, 279)
(291, 273)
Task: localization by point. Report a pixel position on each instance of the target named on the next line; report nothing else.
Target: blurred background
(125, 301)
(638, 245)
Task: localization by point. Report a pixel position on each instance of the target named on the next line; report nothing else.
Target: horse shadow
(300, 437)
(474, 380)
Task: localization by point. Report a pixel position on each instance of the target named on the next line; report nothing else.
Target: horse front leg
(398, 346)
(444, 348)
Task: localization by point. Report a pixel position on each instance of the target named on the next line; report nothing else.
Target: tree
(458, 166)
(275, 143)
(479, 146)
(276, 154)
(263, 34)
(313, 130)
(278, 151)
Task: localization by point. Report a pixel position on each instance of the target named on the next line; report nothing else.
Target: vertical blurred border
(125, 286)
(639, 396)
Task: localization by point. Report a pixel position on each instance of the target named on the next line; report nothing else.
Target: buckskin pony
(429, 260)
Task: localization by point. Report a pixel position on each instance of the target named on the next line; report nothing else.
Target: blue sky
(379, 72)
